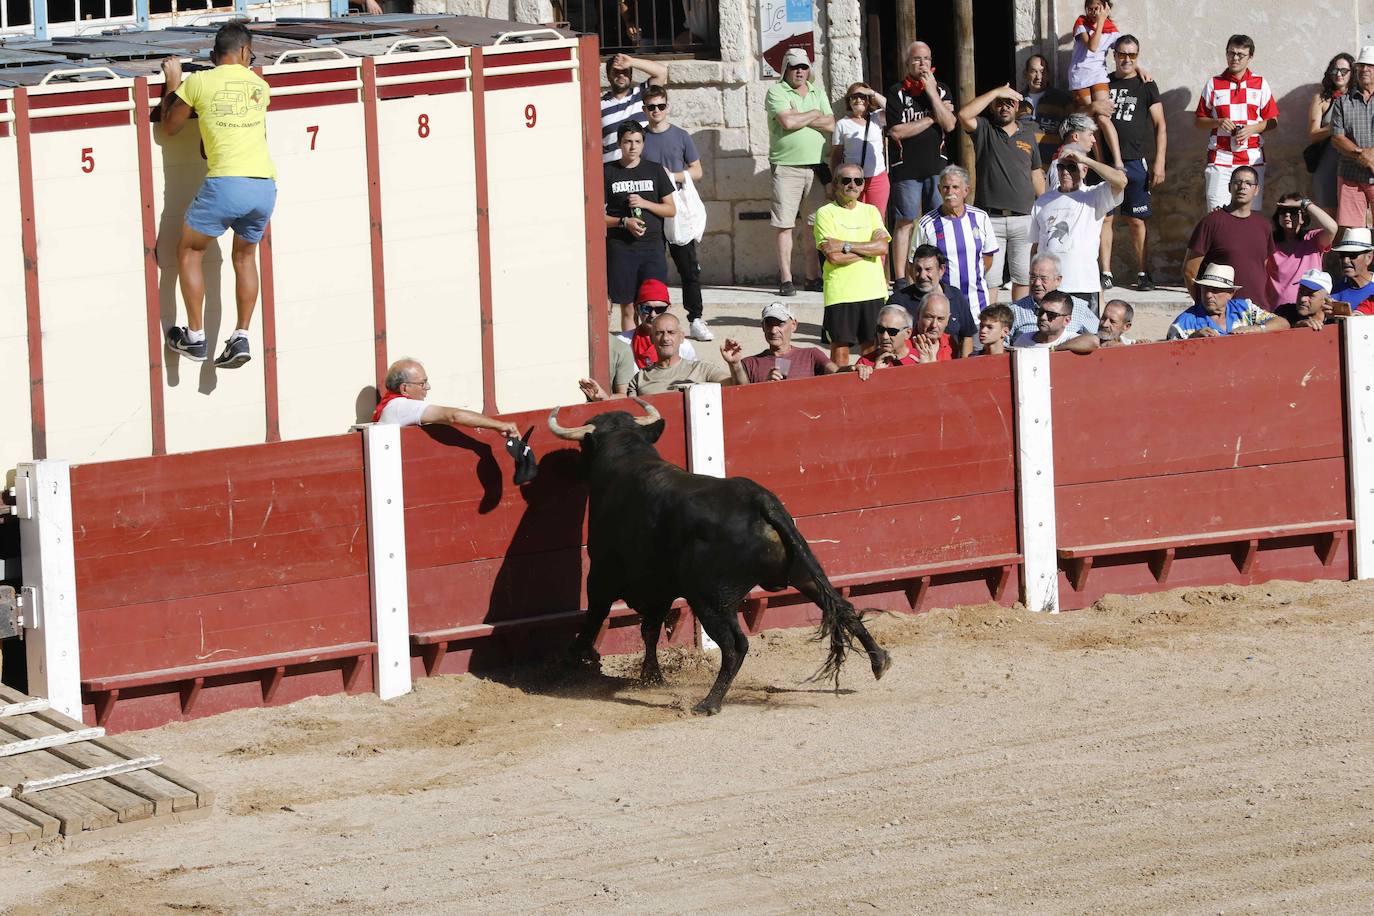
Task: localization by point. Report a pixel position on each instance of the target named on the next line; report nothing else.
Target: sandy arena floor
(1201, 750)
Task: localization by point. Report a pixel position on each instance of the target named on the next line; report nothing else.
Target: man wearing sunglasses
(1052, 327)
(240, 187)
(1355, 251)
(650, 302)
(1352, 135)
(672, 147)
(851, 237)
(800, 124)
(625, 99)
(1139, 122)
(893, 330)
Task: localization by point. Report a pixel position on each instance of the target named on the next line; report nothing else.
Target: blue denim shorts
(242, 204)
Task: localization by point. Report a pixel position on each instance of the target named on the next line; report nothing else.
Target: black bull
(657, 533)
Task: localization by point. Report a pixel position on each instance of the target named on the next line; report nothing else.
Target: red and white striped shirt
(1243, 100)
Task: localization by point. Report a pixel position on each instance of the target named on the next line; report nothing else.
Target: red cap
(652, 290)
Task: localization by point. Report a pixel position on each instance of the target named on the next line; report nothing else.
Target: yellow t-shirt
(231, 102)
(864, 279)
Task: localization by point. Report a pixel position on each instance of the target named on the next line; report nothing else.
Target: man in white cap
(1312, 310)
(1067, 221)
(780, 360)
(800, 122)
(1355, 249)
(1352, 135)
(1217, 312)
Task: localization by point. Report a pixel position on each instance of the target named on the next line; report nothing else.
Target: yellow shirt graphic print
(231, 103)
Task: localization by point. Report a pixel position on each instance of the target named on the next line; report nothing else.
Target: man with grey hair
(919, 114)
(1045, 277)
(1007, 158)
(894, 343)
(407, 386)
(929, 339)
(1117, 316)
(964, 235)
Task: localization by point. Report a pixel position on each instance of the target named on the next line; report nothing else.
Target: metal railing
(646, 26)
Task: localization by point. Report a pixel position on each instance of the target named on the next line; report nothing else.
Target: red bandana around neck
(386, 399)
(643, 346)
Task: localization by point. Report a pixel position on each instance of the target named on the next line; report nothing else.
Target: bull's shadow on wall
(540, 573)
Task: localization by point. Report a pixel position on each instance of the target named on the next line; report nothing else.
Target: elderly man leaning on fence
(780, 360)
(1117, 316)
(1045, 277)
(404, 404)
(1354, 250)
(670, 371)
(1313, 308)
(1217, 312)
(894, 343)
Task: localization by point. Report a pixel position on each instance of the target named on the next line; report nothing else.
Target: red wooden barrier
(1200, 462)
(904, 485)
(215, 580)
(497, 571)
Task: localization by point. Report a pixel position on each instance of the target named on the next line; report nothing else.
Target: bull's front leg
(599, 598)
(650, 627)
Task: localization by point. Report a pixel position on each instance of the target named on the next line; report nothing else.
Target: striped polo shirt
(963, 240)
(614, 111)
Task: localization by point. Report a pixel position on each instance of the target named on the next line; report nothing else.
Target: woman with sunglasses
(858, 140)
(1335, 83)
(1302, 235)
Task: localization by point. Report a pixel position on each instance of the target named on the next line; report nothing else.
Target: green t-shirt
(231, 102)
(864, 279)
(802, 146)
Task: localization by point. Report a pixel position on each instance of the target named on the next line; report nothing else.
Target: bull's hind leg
(721, 623)
(650, 626)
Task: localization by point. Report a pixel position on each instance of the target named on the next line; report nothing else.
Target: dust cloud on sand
(1199, 749)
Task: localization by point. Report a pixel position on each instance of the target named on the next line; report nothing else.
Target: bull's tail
(840, 623)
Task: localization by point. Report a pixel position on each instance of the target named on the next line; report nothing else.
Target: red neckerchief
(643, 347)
(386, 399)
(915, 86)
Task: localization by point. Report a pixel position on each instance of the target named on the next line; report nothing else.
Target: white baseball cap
(779, 311)
(1316, 279)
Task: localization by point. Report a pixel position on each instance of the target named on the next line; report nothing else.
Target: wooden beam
(77, 776)
(963, 31)
(60, 738)
(24, 708)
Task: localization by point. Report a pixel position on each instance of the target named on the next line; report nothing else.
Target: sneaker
(697, 330)
(814, 286)
(787, 288)
(177, 342)
(1107, 281)
(235, 353)
(1144, 282)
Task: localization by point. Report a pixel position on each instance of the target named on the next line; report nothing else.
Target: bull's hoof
(652, 678)
(582, 659)
(881, 662)
(706, 708)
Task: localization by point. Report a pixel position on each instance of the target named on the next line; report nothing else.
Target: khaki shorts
(791, 185)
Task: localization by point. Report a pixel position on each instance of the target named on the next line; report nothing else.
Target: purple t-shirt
(1291, 260)
(806, 362)
(1245, 244)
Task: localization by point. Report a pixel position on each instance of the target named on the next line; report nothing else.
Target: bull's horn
(576, 434)
(650, 413)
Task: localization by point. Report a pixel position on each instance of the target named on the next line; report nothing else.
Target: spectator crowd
(912, 253)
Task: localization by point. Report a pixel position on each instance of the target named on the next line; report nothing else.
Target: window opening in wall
(16, 12)
(647, 26)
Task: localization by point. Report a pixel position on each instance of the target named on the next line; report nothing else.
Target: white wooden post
(43, 502)
(386, 546)
(1358, 337)
(1035, 478)
(705, 448)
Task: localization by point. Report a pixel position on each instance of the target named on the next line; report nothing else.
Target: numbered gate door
(90, 393)
(321, 308)
(534, 180)
(15, 414)
(426, 195)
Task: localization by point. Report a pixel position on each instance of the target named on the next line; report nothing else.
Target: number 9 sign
(531, 115)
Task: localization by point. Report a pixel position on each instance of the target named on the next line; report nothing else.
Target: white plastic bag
(689, 225)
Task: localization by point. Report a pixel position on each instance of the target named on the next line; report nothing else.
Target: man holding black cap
(780, 360)
(799, 126)
(639, 197)
(1008, 179)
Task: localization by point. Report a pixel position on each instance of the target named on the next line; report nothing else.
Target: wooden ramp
(61, 778)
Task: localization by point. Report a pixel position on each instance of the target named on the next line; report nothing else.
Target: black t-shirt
(648, 180)
(1135, 129)
(1004, 164)
(924, 154)
(1050, 108)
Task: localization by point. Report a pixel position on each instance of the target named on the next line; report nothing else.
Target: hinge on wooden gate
(22, 492)
(11, 618)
